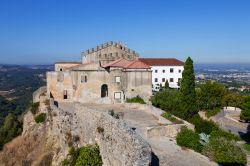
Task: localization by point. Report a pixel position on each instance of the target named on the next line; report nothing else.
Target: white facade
(162, 73)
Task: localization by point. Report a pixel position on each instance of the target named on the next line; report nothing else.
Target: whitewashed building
(165, 69)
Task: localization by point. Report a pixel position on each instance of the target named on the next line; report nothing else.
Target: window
(179, 80)
(156, 71)
(65, 94)
(60, 69)
(163, 71)
(163, 79)
(171, 79)
(117, 95)
(118, 79)
(84, 79)
(171, 70)
(156, 79)
(179, 71)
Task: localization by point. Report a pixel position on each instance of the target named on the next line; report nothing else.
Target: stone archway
(104, 90)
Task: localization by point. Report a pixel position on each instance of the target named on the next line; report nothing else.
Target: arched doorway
(104, 90)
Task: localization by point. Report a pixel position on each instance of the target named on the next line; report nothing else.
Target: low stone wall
(119, 145)
(38, 92)
(232, 111)
(165, 131)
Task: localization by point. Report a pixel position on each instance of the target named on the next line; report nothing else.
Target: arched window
(104, 90)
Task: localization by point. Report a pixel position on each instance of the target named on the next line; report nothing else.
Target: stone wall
(38, 92)
(170, 130)
(119, 145)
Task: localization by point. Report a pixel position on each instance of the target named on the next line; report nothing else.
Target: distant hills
(222, 67)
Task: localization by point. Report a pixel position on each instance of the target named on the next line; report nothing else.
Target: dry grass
(24, 150)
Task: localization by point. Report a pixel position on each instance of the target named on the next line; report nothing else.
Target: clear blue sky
(45, 31)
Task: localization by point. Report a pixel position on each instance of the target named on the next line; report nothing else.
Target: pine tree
(188, 105)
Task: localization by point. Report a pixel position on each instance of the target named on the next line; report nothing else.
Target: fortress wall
(38, 92)
(119, 145)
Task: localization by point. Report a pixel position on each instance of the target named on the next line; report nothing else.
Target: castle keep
(108, 73)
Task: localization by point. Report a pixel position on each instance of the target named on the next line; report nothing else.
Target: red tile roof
(126, 64)
(137, 64)
(117, 63)
(162, 61)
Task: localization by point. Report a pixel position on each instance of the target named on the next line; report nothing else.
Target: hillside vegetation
(17, 85)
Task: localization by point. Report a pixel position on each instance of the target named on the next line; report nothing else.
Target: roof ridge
(130, 63)
(112, 63)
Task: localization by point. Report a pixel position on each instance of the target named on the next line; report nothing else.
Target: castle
(109, 73)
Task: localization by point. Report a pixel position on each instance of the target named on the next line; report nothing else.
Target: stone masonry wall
(38, 92)
(119, 145)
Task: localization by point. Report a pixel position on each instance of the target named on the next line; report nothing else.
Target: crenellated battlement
(108, 44)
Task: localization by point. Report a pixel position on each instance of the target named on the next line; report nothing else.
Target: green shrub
(245, 113)
(203, 126)
(40, 118)
(72, 157)
(225, 152)
(247, 147)
(221, 133)
(136, 99)
(34, 107)
(190, 139)
(212, 112)
(167, 100)
(171, 118)
(89, 156)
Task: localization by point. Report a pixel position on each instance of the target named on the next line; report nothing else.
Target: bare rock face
(48, 143)
(119, 145)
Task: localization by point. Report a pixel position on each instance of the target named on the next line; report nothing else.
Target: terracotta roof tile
(118, 63)
(126, 64)
(137, 64)
(162, 61)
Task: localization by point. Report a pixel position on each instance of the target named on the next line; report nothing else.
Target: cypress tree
(188, 105)
(166, 85)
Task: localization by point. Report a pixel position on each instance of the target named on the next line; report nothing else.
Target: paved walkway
(229, 124)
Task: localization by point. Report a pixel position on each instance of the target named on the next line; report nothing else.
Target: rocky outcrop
(119, 145)
(77, 126)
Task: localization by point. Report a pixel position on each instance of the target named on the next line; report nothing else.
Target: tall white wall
(176, 75)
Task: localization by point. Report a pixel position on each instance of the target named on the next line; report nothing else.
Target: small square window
(117, 95)
(118, 79)
(171, 70)
(163, 80)
(156, 79)
(179, 71)
(156, 71)
(171, 79)
(163, 71)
